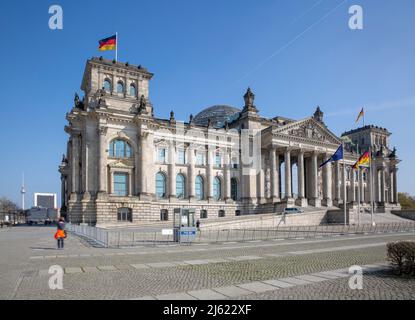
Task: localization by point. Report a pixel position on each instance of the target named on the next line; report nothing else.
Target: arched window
(160, 185)
(120, 149)
(107, 85)
(133, 91)
(199, 190)
(180, 186)
(234, 189)
(120, 87)
(217, 188)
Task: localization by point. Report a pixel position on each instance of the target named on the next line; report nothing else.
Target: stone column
(137, 171)
(85, 169)
(191, 172)
(75, 165)
(172, 171)
(210, 160)
(337, 183)
(287, 161)
(382, 185)
(63, 191)
(395, 186)
(227, 175)
(327, 182)
(353, 186)
(302, 200)
(371, 185)
(147, 182)
(315, 201)
(274, 163)
(102, 170)
(361, 186)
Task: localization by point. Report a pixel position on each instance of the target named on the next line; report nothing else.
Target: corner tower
(115, 85)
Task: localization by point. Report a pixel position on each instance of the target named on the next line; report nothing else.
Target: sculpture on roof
(249, 98)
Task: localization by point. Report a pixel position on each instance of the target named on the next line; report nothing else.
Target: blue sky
(294, 54)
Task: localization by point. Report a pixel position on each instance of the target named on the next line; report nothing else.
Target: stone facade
(124, 164)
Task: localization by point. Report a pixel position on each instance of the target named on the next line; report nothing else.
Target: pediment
(308, 129)
(122, 164)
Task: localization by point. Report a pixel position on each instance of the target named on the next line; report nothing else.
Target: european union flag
(338, 155)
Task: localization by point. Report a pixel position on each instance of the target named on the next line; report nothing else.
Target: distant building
(46, 200)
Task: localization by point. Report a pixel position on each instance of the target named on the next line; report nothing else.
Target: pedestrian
(198, 225)
(60, 234)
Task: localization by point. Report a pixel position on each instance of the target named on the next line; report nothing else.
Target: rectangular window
(203, 214)
(200, 159)
(181, 157)
(234, 162)
(161, 157)
(120, 184)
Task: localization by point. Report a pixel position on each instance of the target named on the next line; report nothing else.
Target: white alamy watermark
(234, 147)
(56, 20)
(356, 280)
(356, 20)
(56, 280)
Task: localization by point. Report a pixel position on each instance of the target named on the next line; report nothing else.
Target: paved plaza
(273, 269)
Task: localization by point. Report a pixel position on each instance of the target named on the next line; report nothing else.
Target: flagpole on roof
(363, 116)
(116, 46)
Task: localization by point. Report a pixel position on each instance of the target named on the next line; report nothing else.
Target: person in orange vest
(60, 234)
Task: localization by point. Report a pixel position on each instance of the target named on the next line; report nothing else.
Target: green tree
(406, 201)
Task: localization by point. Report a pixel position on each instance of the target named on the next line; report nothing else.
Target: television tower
(22, 192)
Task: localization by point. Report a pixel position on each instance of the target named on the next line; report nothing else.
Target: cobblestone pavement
(163, 272)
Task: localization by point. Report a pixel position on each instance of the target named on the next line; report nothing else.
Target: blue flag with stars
(338, 155)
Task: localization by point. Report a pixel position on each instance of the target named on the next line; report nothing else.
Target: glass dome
(218, 115)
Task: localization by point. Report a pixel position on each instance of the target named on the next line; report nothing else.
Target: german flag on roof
(108, 43)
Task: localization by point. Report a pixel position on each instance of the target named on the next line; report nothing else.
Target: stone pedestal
(102, 195)
(327, 202)
(289, 202)
(316, 202)
(301, 202)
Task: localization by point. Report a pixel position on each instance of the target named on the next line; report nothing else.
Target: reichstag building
(124, 165)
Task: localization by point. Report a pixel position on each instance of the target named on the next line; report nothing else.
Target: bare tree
(7, 206)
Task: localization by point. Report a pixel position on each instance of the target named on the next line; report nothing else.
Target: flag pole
(363, 117)
(358, 188)
(344, 187)
(371, 186)
(116, 46)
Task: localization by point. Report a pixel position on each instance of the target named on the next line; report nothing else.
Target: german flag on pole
(364, 159)
(108, 43)
(361, 115)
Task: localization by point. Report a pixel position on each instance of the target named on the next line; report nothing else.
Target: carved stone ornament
(309, 131)
(78, 103)
(99, 97)
(102, 130)
(142, 107)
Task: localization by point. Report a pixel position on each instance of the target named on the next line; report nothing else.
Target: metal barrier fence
(124, 238)
(98, 235)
